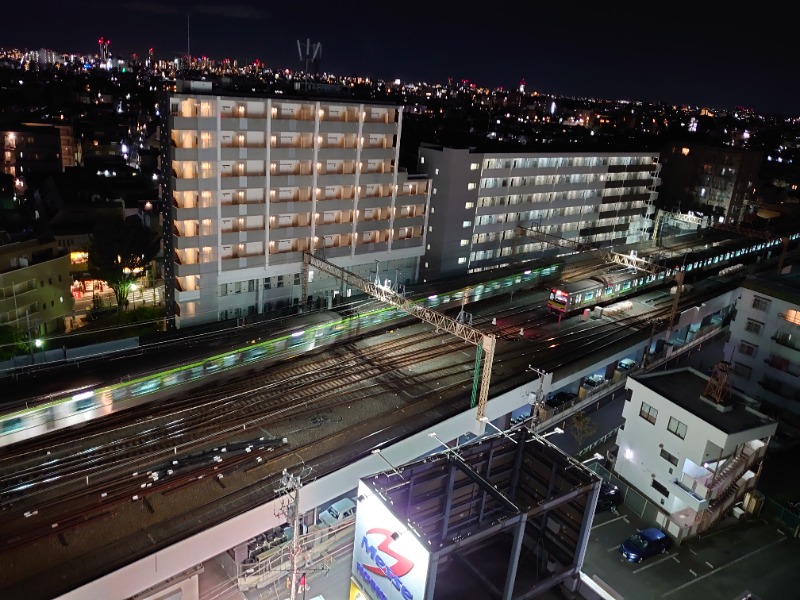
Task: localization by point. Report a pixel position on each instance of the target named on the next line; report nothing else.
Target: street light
(133, 290)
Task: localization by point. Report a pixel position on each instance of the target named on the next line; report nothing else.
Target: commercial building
(253, 182)
(691, 446)
(765, 342)
(479, 200)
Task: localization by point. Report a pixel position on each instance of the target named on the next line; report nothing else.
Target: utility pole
(538, 398)
(290, 484)
(30, 341)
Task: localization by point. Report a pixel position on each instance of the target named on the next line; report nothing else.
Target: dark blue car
(644, 544)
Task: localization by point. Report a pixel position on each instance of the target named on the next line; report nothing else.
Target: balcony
(234, 263)
(417, 222)
(782, 364)
(370, 247)
(338, 228)
(786, 340)
(184, 270)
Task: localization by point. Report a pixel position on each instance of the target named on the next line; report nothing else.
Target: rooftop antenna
(309, 54)
(188, 42)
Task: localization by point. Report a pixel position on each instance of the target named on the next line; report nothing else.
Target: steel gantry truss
(485, 342)
(626, 260)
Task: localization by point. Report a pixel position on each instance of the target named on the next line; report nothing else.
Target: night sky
(676, 52)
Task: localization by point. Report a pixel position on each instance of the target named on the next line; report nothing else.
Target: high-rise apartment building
(714, 181)
(253, 182)
(478, 200)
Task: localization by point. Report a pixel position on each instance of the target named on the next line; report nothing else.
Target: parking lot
(739, 556)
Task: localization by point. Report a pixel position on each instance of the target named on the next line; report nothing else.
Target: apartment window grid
(676, 427)
(753, 326)
(747, 349)
(761, 303)
(648, 413)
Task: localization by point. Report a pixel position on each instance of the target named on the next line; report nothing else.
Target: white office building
(764, 344)
(253, 182)
(478, 201)
(691, 446)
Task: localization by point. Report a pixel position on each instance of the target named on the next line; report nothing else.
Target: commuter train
(617, 282)
(305, 334)
(316, 330)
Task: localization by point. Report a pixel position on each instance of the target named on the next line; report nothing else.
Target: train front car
(572, 296)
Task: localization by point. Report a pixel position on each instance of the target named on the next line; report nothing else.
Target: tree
(581, 427)
(11, 343)
(120, 251)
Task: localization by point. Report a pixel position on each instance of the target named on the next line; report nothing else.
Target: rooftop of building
(782, 286)
(687, 388)
(300, 91)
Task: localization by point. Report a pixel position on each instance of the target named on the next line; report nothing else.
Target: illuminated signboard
(387, 567)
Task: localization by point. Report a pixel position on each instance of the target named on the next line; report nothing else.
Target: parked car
(594, 381)
(626, 364)
(644, 544)
(338, 512)
(610, 496)
(560, 399)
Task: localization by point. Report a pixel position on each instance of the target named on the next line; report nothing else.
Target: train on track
(316, 330)
(306, 333)
(617, 282)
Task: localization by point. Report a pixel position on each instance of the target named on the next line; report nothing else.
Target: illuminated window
(471, 186)
(462, 260)
(474, 166)
(648, 413)
(469, 205)
(793, 316)
(464, 243)
(466, 224)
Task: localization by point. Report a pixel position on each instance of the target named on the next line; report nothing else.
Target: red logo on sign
(402, 565)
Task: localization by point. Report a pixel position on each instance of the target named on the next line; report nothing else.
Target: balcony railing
(784, 365)
(785, 340)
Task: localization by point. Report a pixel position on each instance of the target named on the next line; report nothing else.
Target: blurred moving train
(619, 281)
(306, 333)
(318, 329)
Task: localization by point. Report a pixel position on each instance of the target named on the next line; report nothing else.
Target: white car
(338, 512)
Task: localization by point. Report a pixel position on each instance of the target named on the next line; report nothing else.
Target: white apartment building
(764, 343)
(691, 446)
(479, 199)
(253, 182)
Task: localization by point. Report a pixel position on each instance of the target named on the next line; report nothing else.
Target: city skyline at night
(703, 57)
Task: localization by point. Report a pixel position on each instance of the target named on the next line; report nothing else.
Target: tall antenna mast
(309, 54)
(188, 42)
